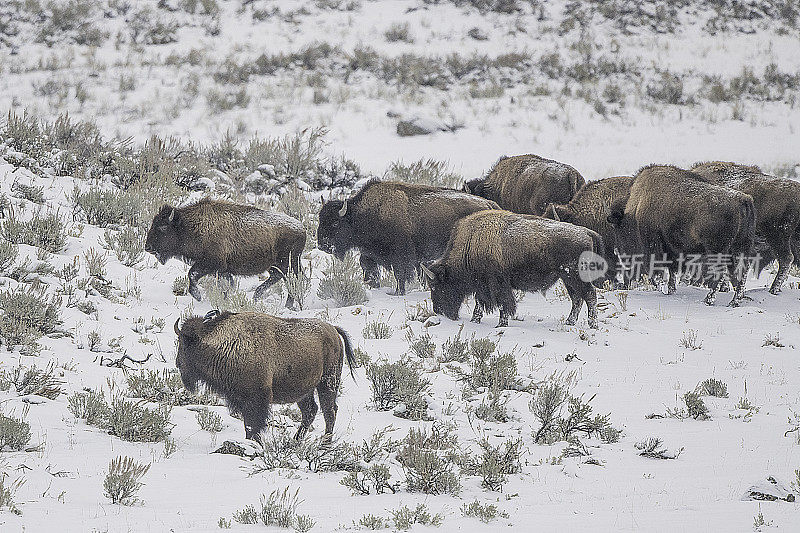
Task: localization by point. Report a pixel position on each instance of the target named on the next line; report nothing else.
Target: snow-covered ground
(650, 348)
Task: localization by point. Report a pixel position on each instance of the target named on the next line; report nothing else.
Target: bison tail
(597, 244)
(348, 350)
(748, 230)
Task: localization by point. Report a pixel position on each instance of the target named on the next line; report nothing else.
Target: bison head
(446, 293)
(335, 231)
(474, 186)
(187, 343)
(164, 238)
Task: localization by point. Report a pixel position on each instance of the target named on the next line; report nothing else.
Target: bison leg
(327, 390)
(195, 273)
(371, 271)
(738, 275)
(783, 252)
(404, 270)
(590, 297)
(477, 314)
(308, 407)
(255, 416)
(577, 300)
(672, 284)
(507, 304)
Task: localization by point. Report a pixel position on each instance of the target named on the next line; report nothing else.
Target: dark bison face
(163, 239)
(445, 292)
(187, 341)
(335, 232)
(474, 186)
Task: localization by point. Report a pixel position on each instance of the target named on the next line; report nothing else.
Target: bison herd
(528, 223)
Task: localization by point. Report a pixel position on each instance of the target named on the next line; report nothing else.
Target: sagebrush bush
(562, 416)
(422, 346)
(135, 422)
(483, 512)
(404, 518)
(164, 386)
(495, 463)
(298, 283)
(46, 231)
(15, 433)
(129, 420)
(399, 31)
(8, 256)
(653, 448)
(713, 387)
(489, 370)
(31, 193)
(343, 282)
(28, 313)
(429, 460)
(32, 380)
(282, 450)
(277, 509)
(180, 286)
(455, 349)
(8, 490)
(91, 406)
(424, 172)
(373, 479)
(122, 480)
(377, 329)
(209, 420)
(127, 244)
(401, 383)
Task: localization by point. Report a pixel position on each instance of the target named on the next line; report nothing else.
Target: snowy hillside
(671, 416)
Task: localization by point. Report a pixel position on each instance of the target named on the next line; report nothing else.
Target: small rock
(33, 399)
(419, 126)
(230, 447)
(477, 34)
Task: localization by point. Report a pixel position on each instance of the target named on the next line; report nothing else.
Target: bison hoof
(570, 322)
(734, 303)
(502, 324)
(475, 320)
(301, 433)
(593, 324)
(775, 290)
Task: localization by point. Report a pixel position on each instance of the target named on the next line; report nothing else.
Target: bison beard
(491, 253)
(253, 360)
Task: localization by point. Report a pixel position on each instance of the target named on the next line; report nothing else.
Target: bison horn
(177, 330)
(171, 215)
(427, 271)
(343, 210)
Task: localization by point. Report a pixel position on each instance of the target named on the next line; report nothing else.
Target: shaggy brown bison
(490, 253)
(227, 239)
(254, 360)
(527, 183)
(394, 225)
(590, 208)
(677, 212)
(777, 203)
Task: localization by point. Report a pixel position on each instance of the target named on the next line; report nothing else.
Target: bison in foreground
(590, 208)
(394, 225)
(777, 203)
(677, 213)
(527, 184)
(227, 239)
(491, 253)
(254, 360)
